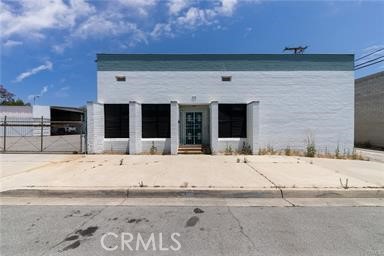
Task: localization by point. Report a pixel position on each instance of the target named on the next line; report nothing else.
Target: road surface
(190, 230)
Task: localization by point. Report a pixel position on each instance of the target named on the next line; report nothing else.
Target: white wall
(292, 104)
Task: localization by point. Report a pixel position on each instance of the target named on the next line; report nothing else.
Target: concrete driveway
(184, 171)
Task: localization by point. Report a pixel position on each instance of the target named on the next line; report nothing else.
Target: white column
(174, 127)
(95, 127)
(135, 126)
(253, 126)
(214, 125)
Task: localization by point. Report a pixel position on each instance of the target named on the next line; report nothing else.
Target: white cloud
(32, 18)
(140, 6)
(128, 22)
(43, 91)
(227, 7)
(162, 29)
(47, 66)
(196, 17)
(11, 43)
(175, 6)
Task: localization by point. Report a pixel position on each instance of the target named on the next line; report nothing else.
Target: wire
(369, 61)
(369, 64)
(370, 54)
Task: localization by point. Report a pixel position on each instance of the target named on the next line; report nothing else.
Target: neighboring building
(29, 115)
(369, 111)
(71, 117)
(24, 115)
(222, 101)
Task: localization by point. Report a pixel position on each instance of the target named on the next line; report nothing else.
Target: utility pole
(34, 98)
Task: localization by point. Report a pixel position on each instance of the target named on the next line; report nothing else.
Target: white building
(222, 101)
(29, 115)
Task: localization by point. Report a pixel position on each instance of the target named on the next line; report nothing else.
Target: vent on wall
(226, 78)
(120, 78)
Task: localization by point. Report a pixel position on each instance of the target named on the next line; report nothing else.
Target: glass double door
(193, 128)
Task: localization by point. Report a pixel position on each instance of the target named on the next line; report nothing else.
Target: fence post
(42, 134)
(5, 133)
(85, 132)
(81, 135)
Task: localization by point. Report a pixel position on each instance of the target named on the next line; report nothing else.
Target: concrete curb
(195, 193)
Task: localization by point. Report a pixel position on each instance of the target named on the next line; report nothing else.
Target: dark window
(226, 78)
(232, 120)
(116, 120)
(156, 120)
(120, 78)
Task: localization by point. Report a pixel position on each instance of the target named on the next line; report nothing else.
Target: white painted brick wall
(174, 127)
(293, 104)
(369, 115)
(95, 127)
(135, 128)
(116, 145)
(162, 145)
(214, 126)
(253, 126)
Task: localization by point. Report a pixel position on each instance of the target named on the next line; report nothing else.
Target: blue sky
(48, 47)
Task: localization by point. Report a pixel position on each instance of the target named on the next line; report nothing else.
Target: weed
(153, 149)
(228, 150)
(346, 184)
(311, 147)
(246, 149)
(288, 151)
(337, 152)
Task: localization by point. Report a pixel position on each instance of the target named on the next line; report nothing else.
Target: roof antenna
(296, 50)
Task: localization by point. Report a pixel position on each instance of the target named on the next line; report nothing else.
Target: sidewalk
(188, 175)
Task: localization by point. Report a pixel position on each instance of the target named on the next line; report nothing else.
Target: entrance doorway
(193, 128)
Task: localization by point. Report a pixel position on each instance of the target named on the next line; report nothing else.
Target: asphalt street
(190, 230)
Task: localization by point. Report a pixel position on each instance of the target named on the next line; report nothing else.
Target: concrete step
(190, 149)
(190, 152)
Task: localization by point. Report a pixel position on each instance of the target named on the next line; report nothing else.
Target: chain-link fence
(42, 135)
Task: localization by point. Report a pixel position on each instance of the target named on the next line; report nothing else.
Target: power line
(361, 64)
(370, 64)
(369, 54)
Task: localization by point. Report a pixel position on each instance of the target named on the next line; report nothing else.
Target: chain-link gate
(42, 135)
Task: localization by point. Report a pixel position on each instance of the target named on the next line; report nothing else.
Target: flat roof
(224, 62)
(371, 76)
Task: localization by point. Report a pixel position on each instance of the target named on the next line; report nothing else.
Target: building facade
(369, 111)
(223, 101)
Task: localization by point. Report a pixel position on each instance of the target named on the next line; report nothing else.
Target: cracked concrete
(241, 228)
(98, 172)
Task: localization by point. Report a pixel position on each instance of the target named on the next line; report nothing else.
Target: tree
(8, 98)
